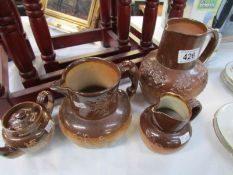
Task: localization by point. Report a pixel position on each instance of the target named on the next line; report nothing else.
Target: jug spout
(57, 86)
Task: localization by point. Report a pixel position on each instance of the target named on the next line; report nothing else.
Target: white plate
(226, 81)
(223, 125)
(229, 71)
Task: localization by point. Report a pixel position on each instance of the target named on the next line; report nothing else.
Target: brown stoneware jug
(28, 126)
(95, 112)
(165, 126)
(177, 65)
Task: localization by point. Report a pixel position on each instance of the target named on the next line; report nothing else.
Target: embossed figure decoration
(177, 65)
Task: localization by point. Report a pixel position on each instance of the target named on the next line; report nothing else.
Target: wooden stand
(113, 33)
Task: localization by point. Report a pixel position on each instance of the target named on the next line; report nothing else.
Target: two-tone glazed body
(95, 112)
(177, 66)
(27, 126)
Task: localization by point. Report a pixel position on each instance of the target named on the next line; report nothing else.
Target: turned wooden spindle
(105, 20)
(123, 22)
(40, 29)
(1, 43)
(15, 42)
(149, 21)
(177, 8)
(2, 90)
(20, 27)
(114, 15)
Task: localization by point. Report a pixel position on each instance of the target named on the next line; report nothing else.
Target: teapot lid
(23, 118)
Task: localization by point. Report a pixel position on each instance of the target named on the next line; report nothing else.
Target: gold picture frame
(72, 15)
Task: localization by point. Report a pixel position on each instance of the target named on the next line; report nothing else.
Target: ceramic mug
(28, 126)
(165, 126)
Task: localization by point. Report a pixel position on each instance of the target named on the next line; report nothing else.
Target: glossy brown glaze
(27, 126)
(156, 79)
(104, 113)
(185, 34)
(91, 132)
(165, 131)
(161, 71)
(157, 140)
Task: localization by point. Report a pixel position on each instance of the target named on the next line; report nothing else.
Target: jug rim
(181, 99)
(85, 60)
(192, 21)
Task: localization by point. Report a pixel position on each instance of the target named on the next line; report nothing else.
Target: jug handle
(195, 106)
(45, 99)
(131, 70)
(211, 46)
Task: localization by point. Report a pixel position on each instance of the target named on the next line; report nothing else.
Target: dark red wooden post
(123, 22)
(4, 101)
(40, 29)
(114, 15)
(20, 27)
(149, 21)
(2, 90)
(177, 8)
(105, 20)
(1, 43)
(15, 42)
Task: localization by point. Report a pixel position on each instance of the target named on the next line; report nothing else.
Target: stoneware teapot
(95, 112)
(165, 126)
(27, 126)
(177, 65)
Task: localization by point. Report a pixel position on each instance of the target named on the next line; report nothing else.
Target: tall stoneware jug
(177, 65)
(95, 111)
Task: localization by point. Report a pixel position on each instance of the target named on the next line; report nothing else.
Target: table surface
(203, 154)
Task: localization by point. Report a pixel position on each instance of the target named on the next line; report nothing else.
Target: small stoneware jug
(95, 112)
(27, 126)
(177, 64)
(165, 126)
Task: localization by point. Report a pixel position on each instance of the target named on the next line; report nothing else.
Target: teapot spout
(10, 152)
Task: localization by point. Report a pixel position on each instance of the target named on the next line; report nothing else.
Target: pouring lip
(181, 98)
(85, 60)
(7, 115)
(192, 21)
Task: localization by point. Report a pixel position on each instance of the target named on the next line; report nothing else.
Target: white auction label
(184, 138)
(186, 56)
(49, 126)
